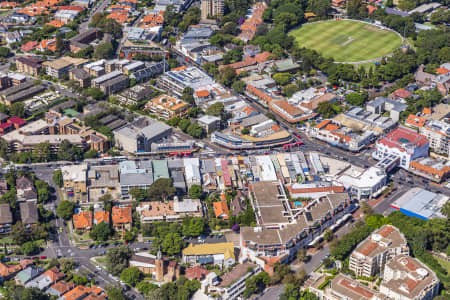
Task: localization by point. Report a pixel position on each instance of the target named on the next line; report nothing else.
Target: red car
(43, 257)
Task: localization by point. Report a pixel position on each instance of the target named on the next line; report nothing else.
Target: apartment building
(60, 67)
(438, 133)
(29, 65)
(372, 254)
(406, 278)
(211, 8)
(75, 182)
(80, 76)
(167, 107)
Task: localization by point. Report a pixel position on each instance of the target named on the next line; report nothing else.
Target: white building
(404, 143)
(361, 183)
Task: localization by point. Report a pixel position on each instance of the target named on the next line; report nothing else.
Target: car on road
(43, 257)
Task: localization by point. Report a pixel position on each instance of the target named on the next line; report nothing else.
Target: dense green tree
(41, 152)
(58, 178)
(131, 276)
(356, 99)
(17, 109)
(29, 248)
(161, 190)
(91, 154)
(115, 293)
(320, 8)
(4, 51)
(145, 287)
(227, 76)
(172, 244)
(195, 191)
(238, 86)
(79, 280)
(101, 232)
(193, 227)
(195, 131)
(65, 209)
(282, 78)
(104, 51)
(117, 259)
(184, 124)
(70, 152)
(256, 283)
(215, 109)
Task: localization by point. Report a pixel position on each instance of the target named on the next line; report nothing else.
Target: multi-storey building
(371, 255)
(75, 182)
(406, 278)
(167, 107)
(211, 8)
(404, 143)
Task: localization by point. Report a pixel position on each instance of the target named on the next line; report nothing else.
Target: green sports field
(347, 41)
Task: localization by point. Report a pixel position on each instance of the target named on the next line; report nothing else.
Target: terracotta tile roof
(55, 23)
(101, 216)
(402, 135)
(368, 248)
(442, 71)
(54, 274)
(262, 57)
(28, 46)
(323, 124)
(71, 7)
(196, 272)
(63, 287)
(402, 93)
(8, 270)
(182, 68)
(426, 111)
(371, 9)
(83, 220)
(356, 289)
(121, 215)
(77, 293)
(221, 210)
(25, 263)
(202, 93)
(416, 121)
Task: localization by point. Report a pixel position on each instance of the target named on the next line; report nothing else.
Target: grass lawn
(347, 41)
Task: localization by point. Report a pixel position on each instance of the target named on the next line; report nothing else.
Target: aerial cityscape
(224, 149)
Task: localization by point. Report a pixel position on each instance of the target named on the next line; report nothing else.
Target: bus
(293, 145)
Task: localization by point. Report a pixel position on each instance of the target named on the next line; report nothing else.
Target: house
(121, 218)
(404, 143)
(5, 218)
(60, 288)
(8, 271)
(400, 94)
(171, 211)
(196, 272)
(101, 216)
(221, 210)
(218, 254)
(83, 221)
(28, 274)
(83, 292)
(29, 46)
(46, 279)
(371, 255)
(29, 213)
(25, 189)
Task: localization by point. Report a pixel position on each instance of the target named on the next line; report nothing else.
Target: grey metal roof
(136, 178)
